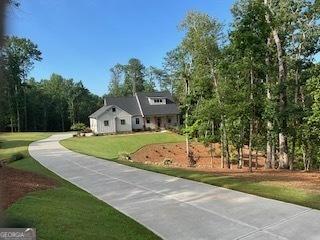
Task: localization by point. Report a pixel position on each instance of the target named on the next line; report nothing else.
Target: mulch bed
(157, 153)
(14, 184)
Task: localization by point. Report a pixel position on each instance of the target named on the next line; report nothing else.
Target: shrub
(167, 161)
(16, 157)
(87, 130)
(124, 156)
(79, 127)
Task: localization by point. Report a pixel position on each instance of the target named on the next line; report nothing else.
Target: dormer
(157, 100)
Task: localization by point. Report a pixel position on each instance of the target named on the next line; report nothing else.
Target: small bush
(167, 161)
(124, 156)
(79, 127)
(16, 157)
(87, 130)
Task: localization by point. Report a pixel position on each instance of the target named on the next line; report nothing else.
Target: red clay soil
(176, 152)
(15, 183)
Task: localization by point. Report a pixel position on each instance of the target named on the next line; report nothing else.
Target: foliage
(79, 127)
(133, 77)
(16, 157)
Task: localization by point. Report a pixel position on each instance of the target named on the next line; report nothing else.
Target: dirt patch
(159, 154)
(176, 152)
(15, 183)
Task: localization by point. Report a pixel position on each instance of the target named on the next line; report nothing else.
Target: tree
(248, 48)
(18, 56)
(115, 86)
(134, 77)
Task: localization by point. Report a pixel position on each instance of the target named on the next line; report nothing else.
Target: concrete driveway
(175, 208)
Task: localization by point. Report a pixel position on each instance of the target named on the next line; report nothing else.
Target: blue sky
(83, 39)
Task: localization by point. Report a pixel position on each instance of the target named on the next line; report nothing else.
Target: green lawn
(108, 147)
(65, 212)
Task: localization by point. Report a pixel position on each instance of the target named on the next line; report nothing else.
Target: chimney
(105, 101)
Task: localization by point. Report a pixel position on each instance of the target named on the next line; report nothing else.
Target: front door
(159, 122)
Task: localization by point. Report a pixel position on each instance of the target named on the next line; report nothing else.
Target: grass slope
(108, 146)
(65, 212)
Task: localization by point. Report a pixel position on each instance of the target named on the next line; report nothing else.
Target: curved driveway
(175, 208)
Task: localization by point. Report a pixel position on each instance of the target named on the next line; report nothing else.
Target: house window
(123, 121)
(137, 121)
(113, 109)
(148, 120)
(169, 120)
(160, 100)
(106, 123)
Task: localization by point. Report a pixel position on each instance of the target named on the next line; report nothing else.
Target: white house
(139, 112)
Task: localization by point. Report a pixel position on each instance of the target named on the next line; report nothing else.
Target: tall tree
(18, 56)
(115, 86)
(134, 77)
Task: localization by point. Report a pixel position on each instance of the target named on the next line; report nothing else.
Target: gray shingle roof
(128, 104)
(163, 109)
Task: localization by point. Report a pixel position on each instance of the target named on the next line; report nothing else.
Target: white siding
(127, 127)
(93, 125)
(137, 126)
(157, 101)
(114, 119)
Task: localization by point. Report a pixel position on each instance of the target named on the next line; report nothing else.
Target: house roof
(162, 109)
(139, 105)
(99, 111)
(128, 104)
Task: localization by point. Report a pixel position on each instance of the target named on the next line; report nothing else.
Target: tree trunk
(283, 143)
(226, 146)
(222, 147)
(269, 124)
(296, 97)
(293, 152)
(250, 146)
(251, 120)
(240, 157)
(273, 155)
(256, 159)
(17, 108)
(227, 152)
(188, 152)
(25, 110)
(11, 123)
(212, 153)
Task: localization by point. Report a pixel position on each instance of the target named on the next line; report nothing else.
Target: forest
(258, 85)
(254, 84)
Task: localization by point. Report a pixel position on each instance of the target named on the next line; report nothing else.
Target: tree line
(127, 79)
(48, 105)
(256, 86)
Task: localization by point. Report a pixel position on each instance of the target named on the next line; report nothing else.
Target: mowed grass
(108, 147)
(64, 212)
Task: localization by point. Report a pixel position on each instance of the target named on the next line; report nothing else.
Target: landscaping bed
(176, 152)
(15, 183)
(158, 154)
